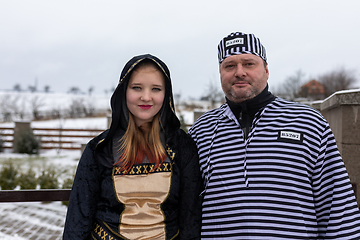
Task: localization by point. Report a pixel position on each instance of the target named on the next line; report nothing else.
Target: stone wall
(342, 111)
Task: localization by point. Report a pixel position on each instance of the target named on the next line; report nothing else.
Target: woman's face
(145, 93)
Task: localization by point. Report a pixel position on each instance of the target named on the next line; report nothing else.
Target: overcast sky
(85, 43)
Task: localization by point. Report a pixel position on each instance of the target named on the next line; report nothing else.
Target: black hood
(120, 116)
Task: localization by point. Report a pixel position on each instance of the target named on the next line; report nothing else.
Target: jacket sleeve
(190, 189)
(336, 208)
(84, 196)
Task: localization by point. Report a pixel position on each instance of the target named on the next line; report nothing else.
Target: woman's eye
(157, 89)
(136, 88)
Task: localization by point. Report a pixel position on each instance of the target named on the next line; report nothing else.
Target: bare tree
(6, 108)
(17, 87)
(17, 109)
(292, 86)
(35, 104)
(32, 88)
(91, 90)
(177, 97)
(47, 88)
(77, 108)
(337, 80)
(56, 113)
(10, 107)
(74, 90)
(213, 93)
(89, 108)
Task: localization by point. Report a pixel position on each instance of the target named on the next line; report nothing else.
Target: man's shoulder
(292, 108)
(291, 104)
(212, 114)
(207, 119)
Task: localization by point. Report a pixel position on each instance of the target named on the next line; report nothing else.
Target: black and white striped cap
(238, 43)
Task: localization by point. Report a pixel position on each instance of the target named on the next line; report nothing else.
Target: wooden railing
(51, 138)
(43, 195)
(54, 138)
(46, 195)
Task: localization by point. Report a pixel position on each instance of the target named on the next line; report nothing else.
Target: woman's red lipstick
(145, 107)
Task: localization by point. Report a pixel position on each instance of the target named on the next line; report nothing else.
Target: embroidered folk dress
(106, 203)
(141, 204)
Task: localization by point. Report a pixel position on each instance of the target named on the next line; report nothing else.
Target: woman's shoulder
(182, 142)
(98, 139)
(181, 136)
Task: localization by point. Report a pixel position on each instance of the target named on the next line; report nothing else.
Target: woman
(139, 179)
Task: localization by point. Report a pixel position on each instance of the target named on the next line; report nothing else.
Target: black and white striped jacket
(285, 181)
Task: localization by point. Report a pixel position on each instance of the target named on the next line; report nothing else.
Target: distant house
(313, 90)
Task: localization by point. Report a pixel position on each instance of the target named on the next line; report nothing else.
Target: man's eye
(229, 66)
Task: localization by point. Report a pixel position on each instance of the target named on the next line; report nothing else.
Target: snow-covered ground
(37, 220)
(78, 123)
(65, 161)
(32, 221)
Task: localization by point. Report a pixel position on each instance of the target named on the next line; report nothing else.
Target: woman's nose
(146, 96)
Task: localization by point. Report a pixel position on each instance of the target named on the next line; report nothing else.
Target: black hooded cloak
(96, 209)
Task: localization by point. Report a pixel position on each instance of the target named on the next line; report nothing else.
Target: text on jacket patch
(234, 41)
(290, 135)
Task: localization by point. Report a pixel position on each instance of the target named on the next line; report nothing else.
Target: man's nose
(240, 71)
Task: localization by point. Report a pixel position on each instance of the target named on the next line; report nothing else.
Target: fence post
(198, 114)
(82, 148)
(109, 119)
(20, 127)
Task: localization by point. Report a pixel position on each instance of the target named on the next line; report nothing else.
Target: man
(271, 167)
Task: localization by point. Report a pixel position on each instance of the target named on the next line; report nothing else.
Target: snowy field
(65, 161)
(32, 221)
(35, 220)
(45, 221)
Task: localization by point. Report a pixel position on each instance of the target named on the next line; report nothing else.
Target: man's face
(243, 77)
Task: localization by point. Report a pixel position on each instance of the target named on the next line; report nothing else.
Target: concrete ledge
(346, 97)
